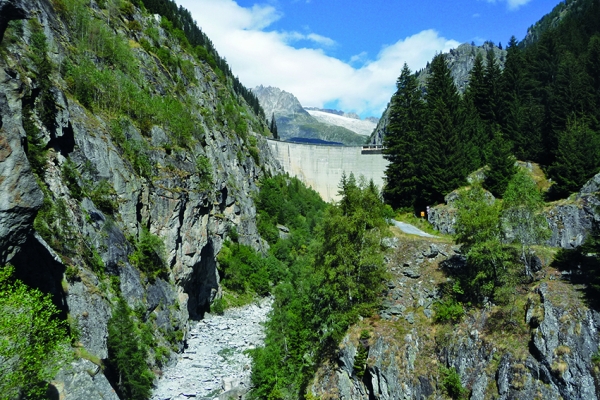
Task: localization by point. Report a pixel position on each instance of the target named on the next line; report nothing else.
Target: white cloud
(512, 4)
(259, 56)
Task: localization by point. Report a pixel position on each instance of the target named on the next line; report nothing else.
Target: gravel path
(214, 361)
(411, 229)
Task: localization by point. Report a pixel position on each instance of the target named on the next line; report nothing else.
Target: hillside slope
(126, 161)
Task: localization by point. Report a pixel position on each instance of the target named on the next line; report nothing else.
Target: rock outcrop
(21, 195)
(546, 352)
(570, 221)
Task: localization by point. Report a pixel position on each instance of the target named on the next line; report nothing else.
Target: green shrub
(243, 269)
(104, 197)
(448, 310)
(218, 307)
(161, 355)
(34, 343)
(134, 26)
(254, 153)
(72, 273)
(71, 178)
(452, 384)
(149, 255)
(360, 361)
(204, 170)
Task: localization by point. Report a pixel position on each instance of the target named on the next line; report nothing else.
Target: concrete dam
(321, 167)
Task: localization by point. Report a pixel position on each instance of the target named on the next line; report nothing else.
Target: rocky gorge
(85, 179)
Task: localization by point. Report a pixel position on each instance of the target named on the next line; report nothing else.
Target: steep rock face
(21, 195)
(550, 357)
(280, 102)
(460, 62)
(82, 257)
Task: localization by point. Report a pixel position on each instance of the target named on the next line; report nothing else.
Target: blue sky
(348, 54)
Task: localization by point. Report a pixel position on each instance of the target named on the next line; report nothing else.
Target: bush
(104, 196)
(149, 255)
(34, 343)
(218, 307)
(360, 361)
(448, 311)
(243, 269)
(452, 384)
(71, 178)
(204, 169)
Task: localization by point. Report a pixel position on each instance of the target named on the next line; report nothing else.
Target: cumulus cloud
(261, 56)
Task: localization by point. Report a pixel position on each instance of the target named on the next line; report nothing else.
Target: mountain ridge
(294, 121)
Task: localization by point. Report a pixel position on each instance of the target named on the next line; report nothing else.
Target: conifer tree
(127, 355)
(476, 91)
(501, 166)
(402, 147)
(443, 159)
(592, 65)
(273, 127)
(577, 158)
(521, 115)
(492, 89)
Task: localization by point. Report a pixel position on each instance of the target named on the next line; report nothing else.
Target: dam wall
(321, 167)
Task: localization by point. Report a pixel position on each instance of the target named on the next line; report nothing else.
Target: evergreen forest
(543, 107)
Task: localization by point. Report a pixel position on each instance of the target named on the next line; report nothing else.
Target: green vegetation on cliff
(335, 274)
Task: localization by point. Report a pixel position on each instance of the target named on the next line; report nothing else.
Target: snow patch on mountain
(362, 127)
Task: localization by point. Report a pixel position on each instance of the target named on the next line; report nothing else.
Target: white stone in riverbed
(215, 348)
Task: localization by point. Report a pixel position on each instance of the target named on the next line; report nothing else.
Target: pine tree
(491, 80)
(442, 161)
(592, 64)
(127, 355)
(520, 115)
(577, 158)
(402, 147)
(273, 127)
(501, 166)
(476, 91)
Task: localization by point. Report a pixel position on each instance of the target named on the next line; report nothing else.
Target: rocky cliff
(83, 174)
(541, 346)
(293, 121)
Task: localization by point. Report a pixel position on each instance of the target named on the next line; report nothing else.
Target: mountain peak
(276, 101)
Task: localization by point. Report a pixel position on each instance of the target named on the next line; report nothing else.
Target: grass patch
(232, 299)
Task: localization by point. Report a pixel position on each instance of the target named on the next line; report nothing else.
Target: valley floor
(214, 360)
